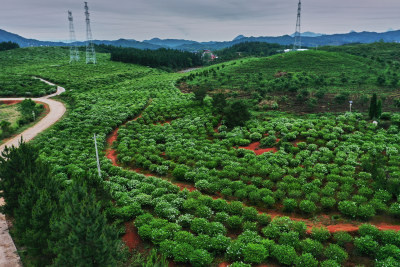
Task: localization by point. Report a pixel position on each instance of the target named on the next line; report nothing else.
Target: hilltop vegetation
(320, 169)
(167, 58)
(247, 49)
(8, 46)
(325, 81)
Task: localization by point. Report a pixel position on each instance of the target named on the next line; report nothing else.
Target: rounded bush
(200, 258)
(306, 260)
(320, 233)
(336, 253)
(307, 206)
(284, 254)
(167, 248)
(264, 219)
(289, 204)
(311, 246)
(255, 253)
(348, 208)
(387, 251)
(366, 245)
(342, 238)
(199, 225)
(234, 252)
(368, 229)
(234, 222)
(182, 251)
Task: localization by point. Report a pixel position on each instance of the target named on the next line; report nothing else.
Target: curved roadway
(8, 253)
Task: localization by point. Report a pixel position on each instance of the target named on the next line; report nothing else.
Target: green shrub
(394, 209)
(387, 251)
(342, 238)
(336, 253)
(199, 225)
(250, 214)
(269, 201)
(268, 141)
(284, 254)
(179, 173)
(366, 211)
(368, 229)
(234, 252)
(289, 204)
(234, 222)
(219, 244)
(328, 202)
(200, 257)
(366, 245)
(348, 208)
(182, 251)
(128, 212)
(306, 260)
(320, 234)
(311, 246)
(290, 238)
(167, 248)
(307, 206)
(255, 253)
(264, 219)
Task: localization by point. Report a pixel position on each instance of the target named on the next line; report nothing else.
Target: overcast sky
(200, 20)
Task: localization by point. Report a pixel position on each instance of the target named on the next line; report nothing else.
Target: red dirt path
(10, 102)
(131, 237)
(259, 151)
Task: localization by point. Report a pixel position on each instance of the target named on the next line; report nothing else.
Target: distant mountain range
(309, 39)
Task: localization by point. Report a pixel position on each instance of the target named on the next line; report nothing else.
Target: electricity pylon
(297, 34)
(90, 53)
(73, 50)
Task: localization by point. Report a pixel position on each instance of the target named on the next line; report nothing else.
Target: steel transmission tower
(90, 53)
(297, 34)
(73, 50)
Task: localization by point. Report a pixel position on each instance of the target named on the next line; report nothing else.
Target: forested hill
(187, 45)
(164, 58)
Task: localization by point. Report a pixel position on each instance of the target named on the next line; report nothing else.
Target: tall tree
(16, 166)
(236, 114)
(80, 233)
(373, 107)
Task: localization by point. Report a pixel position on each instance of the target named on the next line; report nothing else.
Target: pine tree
(373, 107)
(80, 233)
(16, 167)
(37, 203)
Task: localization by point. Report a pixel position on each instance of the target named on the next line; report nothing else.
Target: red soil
(216, 129)
(112, 155)
(112, 137)
(10, 102)
(259, 151)
(131, 237)
(223, 264)
(186, 186)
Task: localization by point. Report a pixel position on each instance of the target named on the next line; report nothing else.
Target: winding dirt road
(8, 252)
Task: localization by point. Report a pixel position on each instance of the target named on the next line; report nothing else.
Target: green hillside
(329, 78)
(280, 190)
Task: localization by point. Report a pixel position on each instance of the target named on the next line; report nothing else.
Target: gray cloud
(196, 20)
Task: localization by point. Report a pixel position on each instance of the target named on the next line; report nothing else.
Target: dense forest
(8, 46)
(161, 58)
